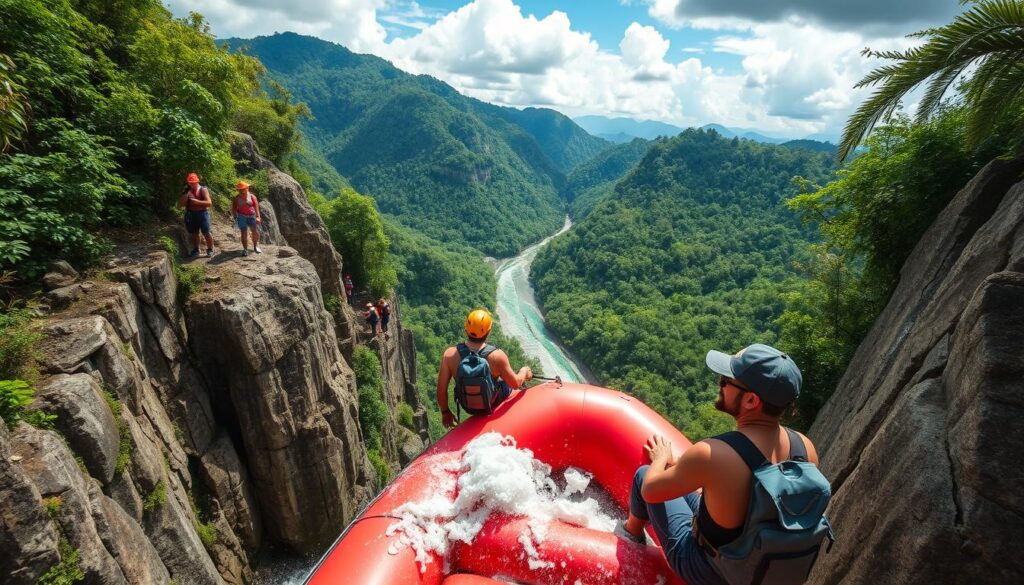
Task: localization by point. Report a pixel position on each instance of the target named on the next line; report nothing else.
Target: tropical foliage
(985, 44)
(870, 218)
(13, 109)
(124, 100)
(358, 234)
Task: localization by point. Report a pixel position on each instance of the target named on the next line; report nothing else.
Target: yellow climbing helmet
(478, 323)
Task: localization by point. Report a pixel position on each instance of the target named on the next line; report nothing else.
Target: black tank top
(710, 531)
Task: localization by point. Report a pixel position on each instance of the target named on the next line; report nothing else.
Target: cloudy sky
(786, 67)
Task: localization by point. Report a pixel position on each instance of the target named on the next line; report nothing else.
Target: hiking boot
(193, 253)
(245, 252)
(209, 253)
(621, 532)
(257, 250)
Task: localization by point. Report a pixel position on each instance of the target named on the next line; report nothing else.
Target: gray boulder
(84, 419)
(54, 471)
(265, 343)
(28, 540)
(59, 274)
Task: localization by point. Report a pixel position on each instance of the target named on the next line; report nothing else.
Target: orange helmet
(192, 178)
(478, 323)
(241, 185)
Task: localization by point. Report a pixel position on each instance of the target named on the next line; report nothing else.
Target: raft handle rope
(556, 379)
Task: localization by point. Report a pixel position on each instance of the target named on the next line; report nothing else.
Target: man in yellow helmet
(483, 375)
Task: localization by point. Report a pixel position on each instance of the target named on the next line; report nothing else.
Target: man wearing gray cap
(699, 502)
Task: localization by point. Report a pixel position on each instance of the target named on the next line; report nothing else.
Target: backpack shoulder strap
(797, 449)
(463, 350)
(746, 448)
(486, 350)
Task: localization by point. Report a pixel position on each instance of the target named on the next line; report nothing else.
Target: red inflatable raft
(572, 425)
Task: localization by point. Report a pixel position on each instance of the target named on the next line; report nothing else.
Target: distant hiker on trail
(384, 310)
(196, 200)
(752, 479)
(484, 378)
(246, 210)
(348, 288)
(371, 318)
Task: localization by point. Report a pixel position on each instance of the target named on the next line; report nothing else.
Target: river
(521, 318)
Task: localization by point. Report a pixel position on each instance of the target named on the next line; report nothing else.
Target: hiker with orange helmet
(246, 210)
(196, 200)
(483, 375)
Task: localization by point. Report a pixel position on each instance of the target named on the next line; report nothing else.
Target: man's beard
(721, 405)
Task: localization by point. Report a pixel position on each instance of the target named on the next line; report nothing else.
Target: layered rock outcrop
(191, 433)
(922, 436)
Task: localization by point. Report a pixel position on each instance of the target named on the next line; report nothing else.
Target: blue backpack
(785, 523)
(475, 390)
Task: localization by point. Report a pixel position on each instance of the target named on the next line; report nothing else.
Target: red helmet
(192, 178)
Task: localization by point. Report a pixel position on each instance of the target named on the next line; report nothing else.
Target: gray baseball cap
(768, 372)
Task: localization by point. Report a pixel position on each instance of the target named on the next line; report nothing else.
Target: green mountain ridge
(451, 166)
(694, 251)
(595, 179)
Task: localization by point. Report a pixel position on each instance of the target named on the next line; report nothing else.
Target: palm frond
(989, 36)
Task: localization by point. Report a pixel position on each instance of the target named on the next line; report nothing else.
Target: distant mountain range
(621, 130)
(453, 167)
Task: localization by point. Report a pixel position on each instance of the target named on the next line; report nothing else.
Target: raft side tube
(575, 555)
(594, 429)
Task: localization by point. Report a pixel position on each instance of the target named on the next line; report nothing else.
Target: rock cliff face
(190, 433)
(922, 437)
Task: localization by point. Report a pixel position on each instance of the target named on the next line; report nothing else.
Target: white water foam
(494, 475)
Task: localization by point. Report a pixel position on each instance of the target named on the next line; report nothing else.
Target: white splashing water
(495, 476)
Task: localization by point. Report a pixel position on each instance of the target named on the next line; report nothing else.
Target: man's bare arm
(444, 375)
(665, 481)
(504, 369)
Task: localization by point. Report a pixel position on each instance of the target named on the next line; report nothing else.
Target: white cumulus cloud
(795, 78)
(353, 23)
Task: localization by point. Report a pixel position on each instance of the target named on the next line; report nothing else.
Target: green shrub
(405, 416)
(18, 338)
(156, 498)
(52, 202)
(169, 246)
(358, 234)
(206, 530)
(66, 572)
(331, 303)
(207, 533)
(14, 396)
(190, 278)
(379, 466)
(372, 408)
(52, 506)
(124, 451)
(39, 418)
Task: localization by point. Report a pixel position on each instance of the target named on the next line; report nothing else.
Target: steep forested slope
(454, 167)
(596, 178)
(692, 253)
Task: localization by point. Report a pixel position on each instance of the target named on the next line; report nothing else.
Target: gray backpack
(785, 523)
